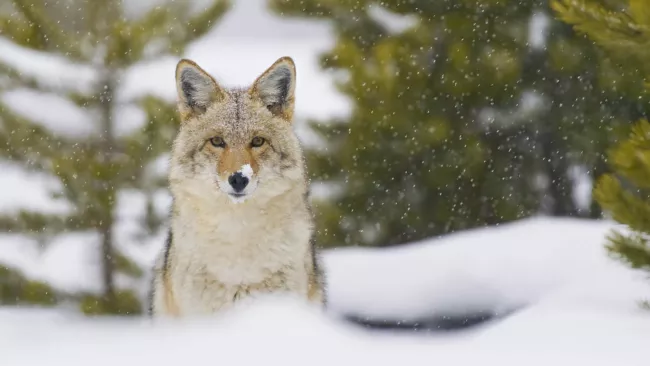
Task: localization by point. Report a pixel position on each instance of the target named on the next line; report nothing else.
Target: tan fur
(224, 248)
(233, 159)
(170, 303)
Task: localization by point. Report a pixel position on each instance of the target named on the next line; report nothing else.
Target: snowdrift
(574, 306)
(285, 332)
(493, 270)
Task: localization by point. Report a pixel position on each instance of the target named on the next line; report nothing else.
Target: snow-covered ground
(574, 306)
(495, 269)
(283, 332)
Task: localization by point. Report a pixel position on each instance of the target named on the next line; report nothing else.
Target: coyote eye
(257, 141)
(217, 142)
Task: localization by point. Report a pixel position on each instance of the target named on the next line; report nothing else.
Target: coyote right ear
(276, 87)
(197, 90)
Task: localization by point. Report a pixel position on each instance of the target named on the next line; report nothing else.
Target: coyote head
(236, 142)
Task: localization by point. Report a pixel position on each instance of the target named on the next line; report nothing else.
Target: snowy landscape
(536, 291)
(563, 300)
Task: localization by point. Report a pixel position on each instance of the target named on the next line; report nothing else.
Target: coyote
(241, 224)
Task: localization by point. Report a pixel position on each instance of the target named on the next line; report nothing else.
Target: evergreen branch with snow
(199, 24)
(27, 142)
(43, 33)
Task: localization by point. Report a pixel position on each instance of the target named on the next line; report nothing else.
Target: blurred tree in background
(103, 42)
(623, 29)
(465, 114)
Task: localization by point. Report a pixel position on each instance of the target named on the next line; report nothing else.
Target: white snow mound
(494, 269)
(287, 332)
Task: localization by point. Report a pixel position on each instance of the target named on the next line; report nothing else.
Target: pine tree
(102, 37)
(622, 30)
(438, 140)
(625, 194)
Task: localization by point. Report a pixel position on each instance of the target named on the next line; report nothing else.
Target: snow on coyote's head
(236, 143)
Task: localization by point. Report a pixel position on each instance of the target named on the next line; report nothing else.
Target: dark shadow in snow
(434, 324)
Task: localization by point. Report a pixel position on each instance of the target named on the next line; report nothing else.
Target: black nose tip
(238, 182)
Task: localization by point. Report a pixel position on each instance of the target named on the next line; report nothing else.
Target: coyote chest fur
(241, 223)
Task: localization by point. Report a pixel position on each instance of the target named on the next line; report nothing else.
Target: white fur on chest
(242, 243)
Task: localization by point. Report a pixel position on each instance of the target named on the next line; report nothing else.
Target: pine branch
(163, 122)
(126, 266)
(83, 100)
(200, 24)
(26, 221)
(47, 35)
(15, 79)
(171, 25)
(48, 224)
(128, 39)
(27, 142)
(16, 289)
(305, 9)
(20, 31)
(634, 250)
(624, 206)
(631, 158)
(615, 31)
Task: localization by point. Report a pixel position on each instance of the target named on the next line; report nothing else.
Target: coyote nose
(238, 182)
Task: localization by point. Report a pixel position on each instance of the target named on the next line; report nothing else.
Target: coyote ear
(197, 90)
(276, 88)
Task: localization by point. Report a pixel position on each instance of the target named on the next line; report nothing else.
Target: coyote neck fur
(238, 249)
(245, 242)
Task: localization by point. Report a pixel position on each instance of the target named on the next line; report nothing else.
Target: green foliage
(35, 292)
(15, 289)
(123, 303)
(625, 194)
(633, 249)
(438, 140)
(623, 30)
(97, 36)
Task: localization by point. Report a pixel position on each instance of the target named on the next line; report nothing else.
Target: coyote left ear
(276, 88)
(197, 90)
